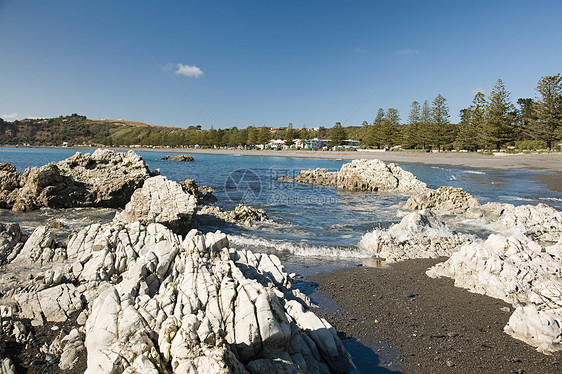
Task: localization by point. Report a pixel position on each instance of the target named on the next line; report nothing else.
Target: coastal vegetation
(489, 122)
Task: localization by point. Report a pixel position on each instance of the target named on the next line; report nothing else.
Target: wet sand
(440, 329)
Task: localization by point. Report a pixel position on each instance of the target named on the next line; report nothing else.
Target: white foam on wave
(474, 172)
(299, 249)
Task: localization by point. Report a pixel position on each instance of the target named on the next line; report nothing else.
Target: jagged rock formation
(420, 234)
(160, 201)
(444, 200)
(183, 158)
(204, 194)
(154, 301)
(539, 222)
(242, 214)
(363, 175)
(210, 310)
(521, 272)
(102, 179)
(11, 241)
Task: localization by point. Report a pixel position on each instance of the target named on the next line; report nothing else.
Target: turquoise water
(312, 222)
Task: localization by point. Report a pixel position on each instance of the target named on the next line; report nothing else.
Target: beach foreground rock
(155, 301)
(363, 175)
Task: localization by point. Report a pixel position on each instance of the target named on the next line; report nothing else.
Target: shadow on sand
(367, 361)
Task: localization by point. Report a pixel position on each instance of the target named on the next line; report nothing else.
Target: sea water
(315, 228)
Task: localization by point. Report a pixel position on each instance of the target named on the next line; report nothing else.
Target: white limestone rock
(364, 175)
(539, 222)
(160, 201)
(444, 200)
(109, 178)
(72, 347)
(40, 248)
(59, 302)
(420, 234)
(210, 309)
(11, 241)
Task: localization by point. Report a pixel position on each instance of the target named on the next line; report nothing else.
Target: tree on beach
(425, 128)
(379, 118)
(548, 124)
(337, 135)
(500, 116)
(440, 121)
(264, 135)
(412, 134)
(472, 120)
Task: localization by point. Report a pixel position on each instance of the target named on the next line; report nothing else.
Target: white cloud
(189, 71)
(359, 51)
(10, 116)
(408, 51)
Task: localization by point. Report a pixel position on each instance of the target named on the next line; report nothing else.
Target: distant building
(316, 143)
(299, 143)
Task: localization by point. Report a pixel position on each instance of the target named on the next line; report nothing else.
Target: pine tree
(424, 130)
(548, 125)
(337, 135)
(500, 116)
(412, 135)
(379, 118)
(440, 121)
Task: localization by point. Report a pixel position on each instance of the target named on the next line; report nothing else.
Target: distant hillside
(78, 130)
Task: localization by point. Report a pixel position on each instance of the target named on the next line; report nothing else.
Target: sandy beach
(549, 163)
(415, 324)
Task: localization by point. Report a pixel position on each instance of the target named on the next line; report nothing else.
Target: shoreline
(441, 329)
(548, 165)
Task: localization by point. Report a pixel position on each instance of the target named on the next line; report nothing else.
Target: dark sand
(442, 329)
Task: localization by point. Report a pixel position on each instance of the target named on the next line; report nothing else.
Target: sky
(242, 63)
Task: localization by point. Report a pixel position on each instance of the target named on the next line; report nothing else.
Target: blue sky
(226, 63)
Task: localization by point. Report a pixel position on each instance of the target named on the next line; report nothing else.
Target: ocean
(315, 228)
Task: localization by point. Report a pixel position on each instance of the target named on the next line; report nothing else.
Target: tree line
(489, 122)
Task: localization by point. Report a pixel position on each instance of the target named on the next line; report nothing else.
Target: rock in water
(363, 175)
(204, 194)
(444, 200)
(420, 234)
(109, 178)
(521, 272)
(182, 158)
(242, 214)
(160, 201)
(103, 179)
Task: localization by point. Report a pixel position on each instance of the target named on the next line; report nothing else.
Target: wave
(474, 172)
(299, 249)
